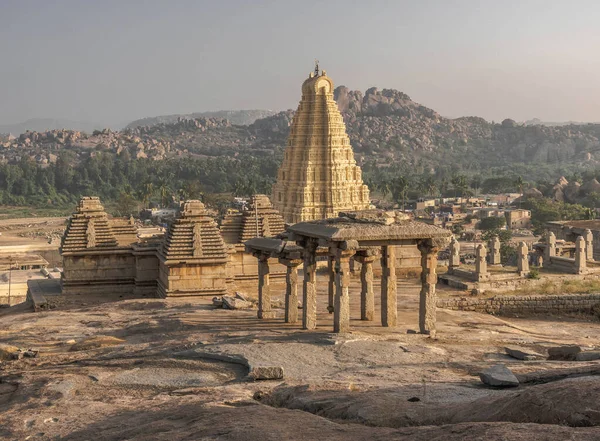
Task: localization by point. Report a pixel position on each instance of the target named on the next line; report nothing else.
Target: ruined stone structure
(454, 254)
(481, 271)
(522, 259)
(570, 230)
(104, 255)
(260, 220)
(319, 176)
(369, 235)
(96, 251)
(494, 256)
(193, 259)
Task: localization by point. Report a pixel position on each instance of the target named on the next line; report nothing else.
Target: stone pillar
(427, 304)
(389, 301)
(309, 292)
(481, 272)
(454, 255)
(291, 289)
(330, 283)
(367, 297)
(264, 288)
(580, 258)
(550, 250)
(589, 244)
(495, 258)
(341, 312)
(522, 259)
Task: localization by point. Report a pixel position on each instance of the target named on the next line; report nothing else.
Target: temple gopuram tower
(319, 176)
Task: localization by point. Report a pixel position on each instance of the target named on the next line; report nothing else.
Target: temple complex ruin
(319, 176)
(259, 220)
(96, 251)
(193, 259)
(367, 235)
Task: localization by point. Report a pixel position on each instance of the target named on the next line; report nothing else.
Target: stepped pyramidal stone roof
(319, 176)
(260, 220)
(194, 236)
(89, 227)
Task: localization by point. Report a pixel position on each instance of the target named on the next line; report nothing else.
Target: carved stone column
(264, 288)
(309, 292)
(523, 259)
(481, 272)
(580, 258)
(589, 244)
(495, 258)
(291, 289)
(389, 301)
(550, 250)
(341, 313)
(427, 304)
(367, 297)
(454, 255)
(330, 283)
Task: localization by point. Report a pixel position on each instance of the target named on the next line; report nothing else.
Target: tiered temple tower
(260, 220)
(319, 176)
(193, 260)
(96, 251)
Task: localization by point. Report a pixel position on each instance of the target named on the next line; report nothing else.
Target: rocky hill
(385, 126)
(43, 124)
(239, 117)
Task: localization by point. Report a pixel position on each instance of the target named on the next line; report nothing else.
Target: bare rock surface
(178, 369)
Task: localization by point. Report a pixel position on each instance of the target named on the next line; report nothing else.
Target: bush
(533, 274)
(492, 223)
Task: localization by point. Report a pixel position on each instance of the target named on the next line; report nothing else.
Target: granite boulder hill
(385, 126)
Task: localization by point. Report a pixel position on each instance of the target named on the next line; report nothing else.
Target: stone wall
(99, 272)
(499, 305)
(244, 266)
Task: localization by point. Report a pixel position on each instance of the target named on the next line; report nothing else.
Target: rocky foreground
(154, 370)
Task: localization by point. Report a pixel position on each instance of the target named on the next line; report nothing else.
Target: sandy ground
(32, 231)
(177, 369)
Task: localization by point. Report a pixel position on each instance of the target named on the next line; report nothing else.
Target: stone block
(266, 373)
(522, 355)
(499, 376)
(587, 356)
(567, 352)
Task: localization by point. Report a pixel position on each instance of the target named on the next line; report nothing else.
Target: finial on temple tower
(316, 67)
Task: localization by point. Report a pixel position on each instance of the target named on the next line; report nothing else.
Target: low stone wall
(525, 304)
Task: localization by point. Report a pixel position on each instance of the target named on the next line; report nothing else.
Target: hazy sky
(113, 61)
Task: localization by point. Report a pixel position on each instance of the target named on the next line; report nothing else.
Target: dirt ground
(33, 231)
(176, 369)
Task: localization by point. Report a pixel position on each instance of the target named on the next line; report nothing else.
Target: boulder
(266, 373)
(8, 352)
(499, 376)
(567, 352)
(522, 355)
(230, 302)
